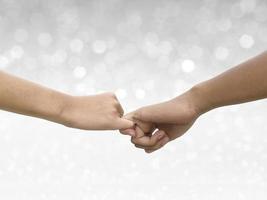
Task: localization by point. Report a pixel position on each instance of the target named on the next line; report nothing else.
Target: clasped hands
(150, 127)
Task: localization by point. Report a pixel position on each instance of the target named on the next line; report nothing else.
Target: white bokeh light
(246, 41)
(188, 66)
(16, 52)
(121, 93)
(99, 46)
(45, 39)
(224, 25)
(79, 72)
(221, 53)
(76, 45)
(140, 93)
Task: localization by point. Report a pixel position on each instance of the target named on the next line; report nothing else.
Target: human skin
(96, 112)
(171, 119)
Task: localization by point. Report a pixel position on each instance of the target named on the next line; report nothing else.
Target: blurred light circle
(224, 25)
(16, 52)
(79, 72)
(21, 35)
(140, 93)
(121, 93)
(188, 66)
(76, 45)
(44, 39)
(221, 53)
(99, 46)
(246, 41)
(3, 62)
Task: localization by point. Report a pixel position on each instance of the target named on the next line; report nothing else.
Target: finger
(139, 132)
(158, 146)
(122, 123)
(129, 131)
(134, 132)
(146, 141)
(129, 116)
(146, 127)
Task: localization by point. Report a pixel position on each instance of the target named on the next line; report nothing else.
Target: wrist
(63, 103)
(200, 99)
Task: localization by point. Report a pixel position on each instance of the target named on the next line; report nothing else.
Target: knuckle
(112, 95)
(116, 104)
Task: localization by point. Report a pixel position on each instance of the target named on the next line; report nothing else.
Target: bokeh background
(146, 51)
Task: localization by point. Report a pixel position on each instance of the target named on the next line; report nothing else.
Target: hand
(168, 120)
(98, 112)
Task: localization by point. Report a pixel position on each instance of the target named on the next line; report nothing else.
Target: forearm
(24, 97)
(243, 83)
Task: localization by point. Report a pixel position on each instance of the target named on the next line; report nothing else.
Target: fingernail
(132, 133)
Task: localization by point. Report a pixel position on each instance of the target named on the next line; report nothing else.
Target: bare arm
(98, 112)
(24, 97)
(243, 83)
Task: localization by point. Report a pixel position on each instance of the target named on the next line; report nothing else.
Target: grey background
(145, 51)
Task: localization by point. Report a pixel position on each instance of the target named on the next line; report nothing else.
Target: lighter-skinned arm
(96, 112)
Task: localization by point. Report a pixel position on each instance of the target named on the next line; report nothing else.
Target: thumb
(158, 113)
(147, 114)
(122, 123)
